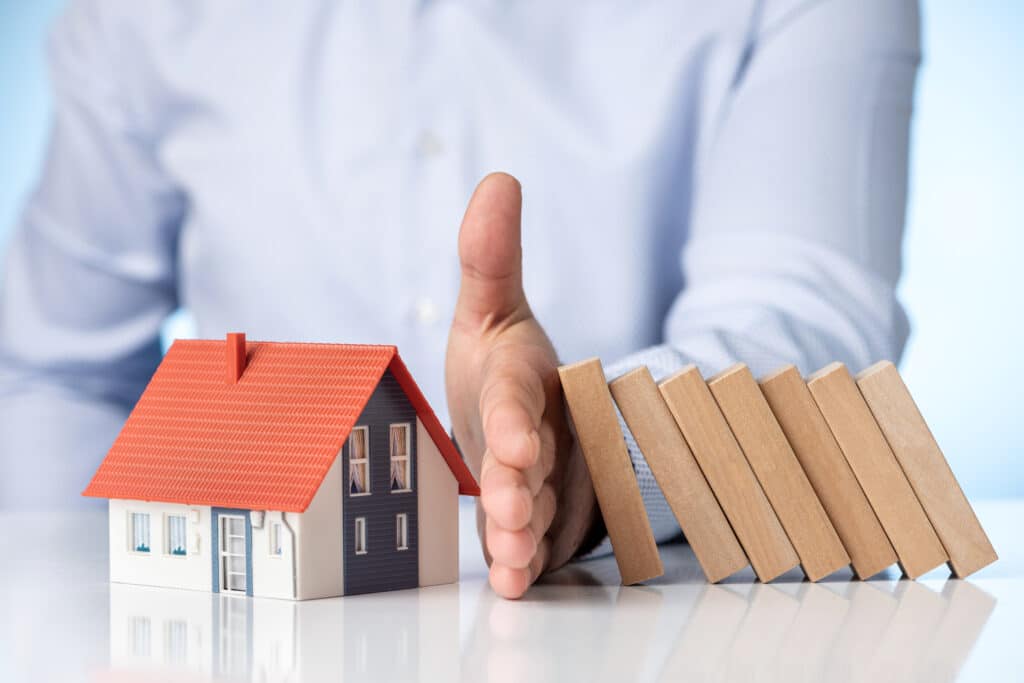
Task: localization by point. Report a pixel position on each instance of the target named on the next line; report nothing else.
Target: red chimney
(236, 356)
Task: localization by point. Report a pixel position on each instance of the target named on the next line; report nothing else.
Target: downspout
(295, 572)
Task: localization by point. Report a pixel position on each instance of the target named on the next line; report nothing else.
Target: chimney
(236, 356)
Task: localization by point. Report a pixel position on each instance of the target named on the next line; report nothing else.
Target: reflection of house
(283, 470)
(201, 636)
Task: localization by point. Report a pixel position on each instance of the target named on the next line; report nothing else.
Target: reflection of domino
(825, 473)
(615, 485)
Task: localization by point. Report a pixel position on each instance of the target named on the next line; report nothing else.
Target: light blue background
(964, 277)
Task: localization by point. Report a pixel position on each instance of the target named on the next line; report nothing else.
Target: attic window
(358, 462)
(400, 461)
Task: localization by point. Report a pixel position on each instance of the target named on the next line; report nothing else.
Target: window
(360, 535)
(176, 535)
(402, 531)
(400, 470)
(140, 532)
(359, 462)
(275, 539)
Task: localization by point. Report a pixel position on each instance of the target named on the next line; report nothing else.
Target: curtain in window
(140, 532)
(176, 534)
(399, 447)
(357, 444)
(357, 461)
(399, 457)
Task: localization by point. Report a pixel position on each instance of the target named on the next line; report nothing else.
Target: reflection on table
(575, 626)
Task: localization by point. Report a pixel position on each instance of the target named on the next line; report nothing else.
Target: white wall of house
(273, 576)
(318, 566)
(437, 513)
(159, 567)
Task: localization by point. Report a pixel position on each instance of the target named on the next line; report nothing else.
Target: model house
(283, 470)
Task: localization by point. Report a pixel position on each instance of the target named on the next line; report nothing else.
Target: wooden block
(873, 463)
(926, 469)
(776, 468)
(604, 450)
(728, 473)
(830, 475)
(677, 473)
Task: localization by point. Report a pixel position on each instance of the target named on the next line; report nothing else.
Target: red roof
(263, 443)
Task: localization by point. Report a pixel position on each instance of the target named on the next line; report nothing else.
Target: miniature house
(283, 470)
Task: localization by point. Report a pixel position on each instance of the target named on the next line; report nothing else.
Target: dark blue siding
(383, 567)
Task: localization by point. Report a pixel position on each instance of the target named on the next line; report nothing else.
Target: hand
(537, 502)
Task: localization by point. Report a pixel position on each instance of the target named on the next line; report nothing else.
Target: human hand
(537, 502)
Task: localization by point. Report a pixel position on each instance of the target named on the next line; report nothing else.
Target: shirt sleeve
(794, 248)
(89, 274)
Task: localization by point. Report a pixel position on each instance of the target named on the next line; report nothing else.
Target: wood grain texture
(677, 473)
(776, 468)
(604, 450)
(729, 474)
(873, 463)
(830, 475)
(926, 469)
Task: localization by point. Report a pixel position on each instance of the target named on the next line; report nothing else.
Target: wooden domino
(780, 472)
(873, 463)
(830, 475)
(677, 473)
(926, 468)
(727, 471)
(604, 450)
(777, 469)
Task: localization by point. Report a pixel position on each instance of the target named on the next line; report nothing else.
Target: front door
(232, 541)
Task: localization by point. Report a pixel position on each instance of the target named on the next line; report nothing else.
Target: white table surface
(61, 620)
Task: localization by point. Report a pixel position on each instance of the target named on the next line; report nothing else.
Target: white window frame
(359, 538)
(274, 534)
(167, 534)
(132, 545)
(402, 531)
(407, 458)
(366, 485)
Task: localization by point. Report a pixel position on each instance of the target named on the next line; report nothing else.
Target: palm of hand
(504, 397)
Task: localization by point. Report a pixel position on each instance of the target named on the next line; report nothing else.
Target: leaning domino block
(872, 461)
(729, 474)
(833, 481)
(926, 468)
(604, 450)
(677, 473)
(777, 469)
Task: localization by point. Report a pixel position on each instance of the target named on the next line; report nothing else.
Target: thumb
(491, 254)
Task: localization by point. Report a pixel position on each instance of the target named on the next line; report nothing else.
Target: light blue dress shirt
(704, 182)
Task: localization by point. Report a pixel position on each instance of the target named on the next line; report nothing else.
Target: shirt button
(429, 144)
(426, 311)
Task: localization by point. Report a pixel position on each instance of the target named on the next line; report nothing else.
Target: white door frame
(224, 554)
